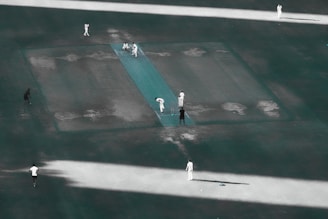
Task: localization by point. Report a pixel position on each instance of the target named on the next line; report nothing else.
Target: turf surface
(285, 63)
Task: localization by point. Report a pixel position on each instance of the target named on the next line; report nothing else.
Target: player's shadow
(300, 19)
(219, 181)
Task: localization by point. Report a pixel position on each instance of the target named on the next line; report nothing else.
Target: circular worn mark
(235, 108)
(194, 52)
(269, 108)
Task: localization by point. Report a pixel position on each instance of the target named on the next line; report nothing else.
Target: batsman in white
(134, 50)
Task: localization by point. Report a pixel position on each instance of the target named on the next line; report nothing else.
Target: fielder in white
(189, 169)
(125, 46)
(181, 99)
(34, 170)
(134, 50)
(161, 103)
(279, 11)
(86, 30)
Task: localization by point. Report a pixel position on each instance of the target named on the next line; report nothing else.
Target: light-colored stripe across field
(207, 185)
(242, 14)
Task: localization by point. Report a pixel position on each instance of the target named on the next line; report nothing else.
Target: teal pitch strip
(151, 84)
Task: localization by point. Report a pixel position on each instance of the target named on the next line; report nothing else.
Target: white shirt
(135, 50)
(160, 100)
(181, 94)
(279, 8)
(34, 170)
(180, 101)
(190, 166)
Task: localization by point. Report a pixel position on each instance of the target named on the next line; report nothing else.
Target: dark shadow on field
(218, 181)
(299, 19)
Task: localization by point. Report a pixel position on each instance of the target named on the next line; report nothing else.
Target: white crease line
(173, 10)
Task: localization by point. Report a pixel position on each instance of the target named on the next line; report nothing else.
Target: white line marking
(159, 116)
(151, 180)
(173, 10)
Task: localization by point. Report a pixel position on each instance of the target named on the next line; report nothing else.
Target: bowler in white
(161, 103)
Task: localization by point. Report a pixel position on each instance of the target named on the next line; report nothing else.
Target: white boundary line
(242, 14)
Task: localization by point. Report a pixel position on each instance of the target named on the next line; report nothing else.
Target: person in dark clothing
(182, 115)
(27, 96)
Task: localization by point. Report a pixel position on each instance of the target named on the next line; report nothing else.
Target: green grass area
(243, 62)
(86, 88)
(219, 86)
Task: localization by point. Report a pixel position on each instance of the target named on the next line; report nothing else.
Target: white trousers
(135, 52)
(161, 107)
(189, 175)
(180, 101)
(86, 32)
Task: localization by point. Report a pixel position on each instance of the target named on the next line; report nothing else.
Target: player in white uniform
(86, 30)
(189, 169)
(134, 50)
(125, 46)
(34, 170)
(181, 99)
(279, 11)
(161, 103)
